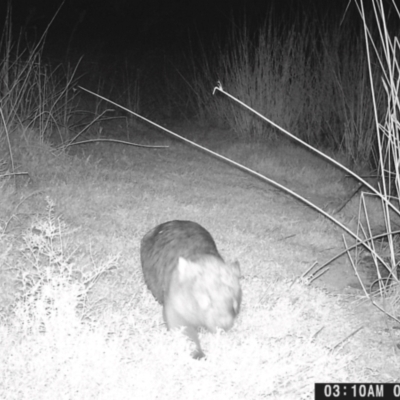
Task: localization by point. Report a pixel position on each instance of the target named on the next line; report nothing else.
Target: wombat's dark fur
(186, 274)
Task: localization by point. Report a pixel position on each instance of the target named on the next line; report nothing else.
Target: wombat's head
(206, 293)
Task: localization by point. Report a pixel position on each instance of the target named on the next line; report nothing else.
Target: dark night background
(112, 27)
(115, 25)
(161, 45)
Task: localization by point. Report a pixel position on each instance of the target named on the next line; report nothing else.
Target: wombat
(186, 274)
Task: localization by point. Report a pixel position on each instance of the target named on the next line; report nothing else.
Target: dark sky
(118, 24)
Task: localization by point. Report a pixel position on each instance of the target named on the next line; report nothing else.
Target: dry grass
(306, 77)
(105, 338)
(76, 320)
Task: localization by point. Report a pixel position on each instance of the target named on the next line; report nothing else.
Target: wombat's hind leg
(174, 320)
(198, 354)
(193, 335)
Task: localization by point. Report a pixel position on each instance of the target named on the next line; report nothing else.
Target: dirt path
(288, 335)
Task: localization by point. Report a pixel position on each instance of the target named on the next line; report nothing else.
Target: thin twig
(118, 141)
(65, 146)
(295, 138)
(356, 245)
(340, 208)
(17, 206)
(346, 339)
(241, 166)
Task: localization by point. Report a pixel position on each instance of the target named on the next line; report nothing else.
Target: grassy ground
(86, 327)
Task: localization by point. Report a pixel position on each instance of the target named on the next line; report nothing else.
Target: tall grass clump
(46, 318)
(382, 45)
(32, 93)
(351, 126)
(308, 77)
(270, 71)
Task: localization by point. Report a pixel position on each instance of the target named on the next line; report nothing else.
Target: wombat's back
(162, 247)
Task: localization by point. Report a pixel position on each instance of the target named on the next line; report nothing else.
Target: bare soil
(289, 334)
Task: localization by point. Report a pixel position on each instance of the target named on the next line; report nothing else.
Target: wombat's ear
(186, 269)
(236, 268)
(182, 265)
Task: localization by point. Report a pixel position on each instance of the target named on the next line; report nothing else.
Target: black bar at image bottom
(357, 391)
